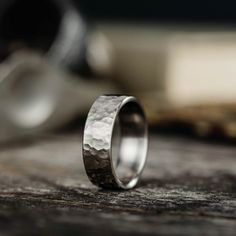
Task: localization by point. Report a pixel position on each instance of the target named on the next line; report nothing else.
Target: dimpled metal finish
(97, 140)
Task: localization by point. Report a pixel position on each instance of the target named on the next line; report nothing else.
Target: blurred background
(57, 56)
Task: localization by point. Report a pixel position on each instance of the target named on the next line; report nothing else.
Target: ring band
(106, 114)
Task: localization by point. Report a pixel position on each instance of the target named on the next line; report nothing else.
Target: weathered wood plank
(188, 188)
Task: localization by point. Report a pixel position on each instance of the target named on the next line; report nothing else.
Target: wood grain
(188, 188)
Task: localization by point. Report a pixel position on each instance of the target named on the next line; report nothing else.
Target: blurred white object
(36, 97)
(176, 65)
(99, 54)
(201, 69)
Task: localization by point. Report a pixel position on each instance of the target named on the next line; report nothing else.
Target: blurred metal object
(182, 74)
(35, 96)
(52, 27)
(28, 89)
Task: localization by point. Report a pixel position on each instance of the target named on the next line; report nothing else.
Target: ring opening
(129, 143)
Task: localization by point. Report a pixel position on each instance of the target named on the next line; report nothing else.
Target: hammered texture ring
(115, 142)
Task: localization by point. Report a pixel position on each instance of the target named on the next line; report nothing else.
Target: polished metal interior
(129, 143)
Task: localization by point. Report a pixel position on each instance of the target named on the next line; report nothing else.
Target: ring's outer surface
(97, 142)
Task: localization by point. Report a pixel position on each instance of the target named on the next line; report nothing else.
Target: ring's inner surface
(129, 142)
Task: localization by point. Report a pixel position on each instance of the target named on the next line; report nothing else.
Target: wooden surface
(188, 188)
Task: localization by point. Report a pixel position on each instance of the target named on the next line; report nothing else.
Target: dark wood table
(188, 188)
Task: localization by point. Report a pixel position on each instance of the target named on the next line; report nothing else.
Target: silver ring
(115, 121)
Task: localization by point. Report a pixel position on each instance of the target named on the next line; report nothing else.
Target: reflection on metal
(36, 96)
